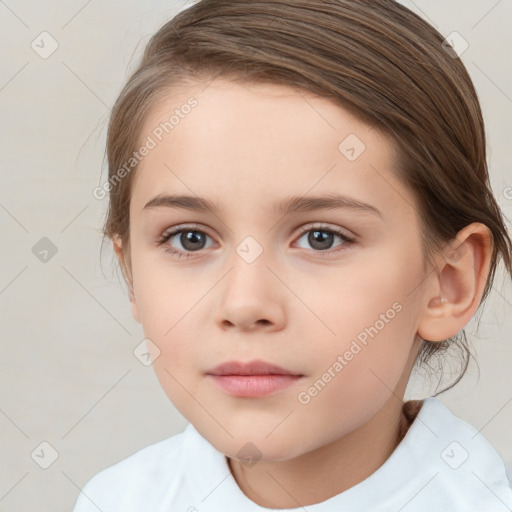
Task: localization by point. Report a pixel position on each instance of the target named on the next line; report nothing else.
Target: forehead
(270, 107)
(268, 139)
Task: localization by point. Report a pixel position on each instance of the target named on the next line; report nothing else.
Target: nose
(252, 298)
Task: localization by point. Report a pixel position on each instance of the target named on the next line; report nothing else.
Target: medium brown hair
(375, 58)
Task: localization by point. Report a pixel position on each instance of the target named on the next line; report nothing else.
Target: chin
(251, 448)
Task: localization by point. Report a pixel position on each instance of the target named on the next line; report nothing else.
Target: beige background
(68, 373)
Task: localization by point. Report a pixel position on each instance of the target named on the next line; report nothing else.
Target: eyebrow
(284, 207)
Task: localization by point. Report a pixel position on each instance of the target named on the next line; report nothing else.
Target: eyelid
(161, 241)
(323, 226)
(346, 239)
(191, 226)
(303, 229)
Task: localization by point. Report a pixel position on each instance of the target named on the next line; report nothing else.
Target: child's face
(343, 315)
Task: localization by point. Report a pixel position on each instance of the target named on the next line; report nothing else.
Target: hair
(375, 58)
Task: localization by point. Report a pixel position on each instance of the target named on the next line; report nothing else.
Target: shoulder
(148, 472)
(464, 466)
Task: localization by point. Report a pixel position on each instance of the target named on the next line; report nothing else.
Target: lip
(253, 379)
(256, 367)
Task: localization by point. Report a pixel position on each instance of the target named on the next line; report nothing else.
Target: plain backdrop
(74, 397)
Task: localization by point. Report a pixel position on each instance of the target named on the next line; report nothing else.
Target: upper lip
(256, 367)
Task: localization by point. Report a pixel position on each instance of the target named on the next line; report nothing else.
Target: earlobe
(457, 287)
(125, 268)
(135, 309)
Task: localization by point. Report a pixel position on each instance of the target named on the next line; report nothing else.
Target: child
(330, 155)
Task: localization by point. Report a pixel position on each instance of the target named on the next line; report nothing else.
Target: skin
(246, 147)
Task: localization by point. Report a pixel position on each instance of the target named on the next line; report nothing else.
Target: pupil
(191, 237)
(320, 239)
(317, 239)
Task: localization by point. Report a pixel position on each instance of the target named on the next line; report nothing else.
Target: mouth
(253, 379)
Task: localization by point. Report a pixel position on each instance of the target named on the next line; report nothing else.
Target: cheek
(364, 294)
(355, 372)
(164, 312)
(370, 319)
(166, 320)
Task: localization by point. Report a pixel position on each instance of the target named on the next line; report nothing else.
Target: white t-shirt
(441, 465)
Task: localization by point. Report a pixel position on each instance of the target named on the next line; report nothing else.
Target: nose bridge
(250, 293)
(249, 265)
(251, 240)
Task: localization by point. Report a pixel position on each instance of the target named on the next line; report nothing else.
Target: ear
(456, 288)
(125, 264)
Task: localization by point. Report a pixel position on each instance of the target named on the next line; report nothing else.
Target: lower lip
(254, 386)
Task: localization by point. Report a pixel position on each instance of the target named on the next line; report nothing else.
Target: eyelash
(167, 236)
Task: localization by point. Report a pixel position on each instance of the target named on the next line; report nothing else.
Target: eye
(190, 238)
(321, 238)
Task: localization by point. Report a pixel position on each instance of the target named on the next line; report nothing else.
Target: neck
(329, 470)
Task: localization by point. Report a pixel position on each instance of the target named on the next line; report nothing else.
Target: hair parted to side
(374, 57)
